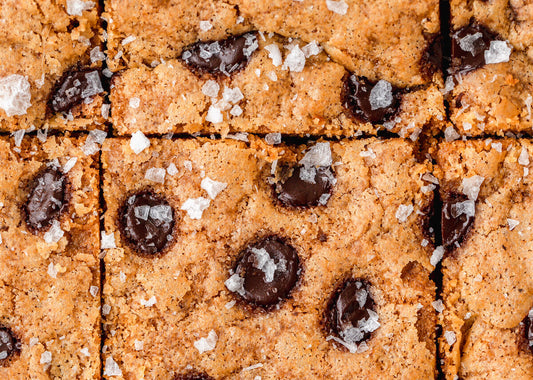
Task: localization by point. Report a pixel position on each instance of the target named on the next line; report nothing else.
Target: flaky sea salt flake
(54, 234)
(212, 187)
(15, 95)
(499, 51)
(208, 343)
(52, 271)
(450, 337)
(211, 88)
(128, 40)
(512, 223)
(403, 212)
(111, 367)
(156, 175)
(472, 185)
(46, 357)
(318, 155)
(148, 303)
(214, 115)
(205, 25)
(340, 7)
(107, 241)
(295, 60)
(139, 142)
(437, 255)
(76, 7)
(195, 207)
(274, 54)
(380, 95)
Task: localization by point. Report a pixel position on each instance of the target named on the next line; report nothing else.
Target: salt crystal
(69, 164)
(122, 276)
(96, 55)
(142, 212)
(76, 7)
(46, 357)
(188, 165)
(15, 95)
(450, 337)
(172, 169)
(311, 49)
(95, 137)
(499, 51)
(380, 95)
(235, 284)
(105, 110)
(128, 40)
(438, 306)
(430, 178)
(295, 60)
(368, 153)
(240, 136)
(148, 303)
(497, 146)
(156, 175)
(252, 367)
(272, 76)
(512, 223)
(523, 159)
(212, 187)
(318, 155)
(403, 212)
(34, 341)
(468, 42)
(42, 134)
(93, 290)
(135, 102)
(308, 174)
(339, 7)
(211, 88)
(139, 142)
(54, 234)
(274, 53)
(138, 344)
(52, 271)
(240, 20)
(467, 126)
(265, 263)
(236, 110)
(471, 186)
(85, 351)
(107, 240)
(232, 95)
(207, 344)
(273, 138)
(230, 304)
(214, 115)
(94, 85)
(437, 255)
(106, 309)
(18, 136)
(112, 368)
(107, 73)
(195, 207)
(450, 134)
(205, 26)
(162, 213)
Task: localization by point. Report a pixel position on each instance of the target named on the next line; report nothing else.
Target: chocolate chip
(147, 221)
(8, 344)
(266, 272)
(469, 44)
(457, 217)
(221, 57)
(376, 108)
(528, 324)
(306, 187)
(432, 57)
(351, 313)
(46, 199)
(73, 87)
(193, 376)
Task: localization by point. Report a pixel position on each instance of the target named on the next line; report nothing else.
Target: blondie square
(49, 266)
(490, 85)
(486, 226)
(246, 260)
(51, 54)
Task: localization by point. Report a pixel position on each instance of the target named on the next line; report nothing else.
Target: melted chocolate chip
(221, 57)
(528, 324)
(351, 314)
(306, 187)
(8, 343)
(47, 198)
(266, 272)
(147, 222)
(368, 101)
(432, 57)
(469, 44)
(193, 376)
(457, 217)
(73, 87)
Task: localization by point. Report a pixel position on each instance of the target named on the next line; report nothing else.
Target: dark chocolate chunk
(433, 56)
(528, 324)
(370, 102)
(46, 199)
(266, 272)
(306, 187)
(221, 57)
(351, 313)
(147, 222)
(469, 44)
(73, 87)
(8, 343)
(457, 217)
(193, 376)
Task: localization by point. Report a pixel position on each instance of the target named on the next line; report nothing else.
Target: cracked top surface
(488, 289)
(45, 286)
(380, 39)
(180, 296)
(40, 40)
